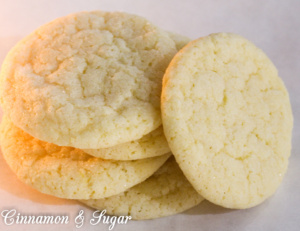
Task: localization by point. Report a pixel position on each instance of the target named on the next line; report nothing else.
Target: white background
(273, 25)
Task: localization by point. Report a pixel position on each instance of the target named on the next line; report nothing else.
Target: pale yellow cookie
(150, 145)
(87, 80)
(165, 193)
(68, 172)
(228, 120)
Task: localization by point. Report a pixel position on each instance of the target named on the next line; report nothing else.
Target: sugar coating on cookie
(150, 145)
(228, 120)
(68, 172)
(165, 193)
(87, 80)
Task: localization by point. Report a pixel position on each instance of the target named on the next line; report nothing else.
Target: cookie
(88, 80)
(228, 120)
(68, 172)
(165, 193)
(180, 40)
(150, 145)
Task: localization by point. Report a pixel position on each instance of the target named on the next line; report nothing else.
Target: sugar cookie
(228, 120)
(68, 172)
(87, 80)
(180, 40)
(150, 145)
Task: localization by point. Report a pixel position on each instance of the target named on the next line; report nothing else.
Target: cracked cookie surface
(165, 193)
(87, 80)
(228, 120)
(68, 172)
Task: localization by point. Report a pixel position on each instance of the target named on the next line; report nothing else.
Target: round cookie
(150, 145)
(87, 80)
(68, 172)
(165, 193)
(228, 120)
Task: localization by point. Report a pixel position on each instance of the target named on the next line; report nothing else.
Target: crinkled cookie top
(87, 80)
(228, 120)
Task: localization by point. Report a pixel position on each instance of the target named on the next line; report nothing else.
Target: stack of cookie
(82, 119)
(82, 97)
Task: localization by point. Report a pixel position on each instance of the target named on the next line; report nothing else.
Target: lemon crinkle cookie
(87, 80)
(69, 172)
(228, 120)
(165, 193)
